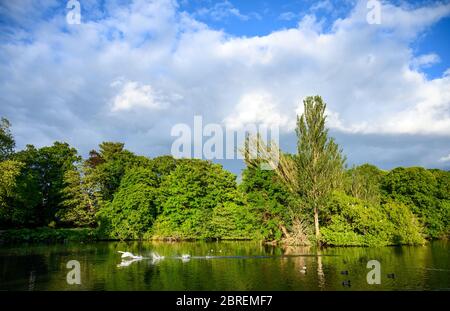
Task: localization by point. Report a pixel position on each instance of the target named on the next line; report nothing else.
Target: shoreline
(64, 235)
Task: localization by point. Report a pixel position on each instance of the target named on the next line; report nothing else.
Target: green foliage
(81, 201)
(195, 196)
(94, 184)
(425, 192)
(443, 184)
(113, 163)
(352, 222)
(40, 184)
(319, 160)
(133, 209)
(407, 229)
(48, 235)
(364, 182)
(269, 201)
(7, 142)
(163, 166)
(231, 220)
(10, 170)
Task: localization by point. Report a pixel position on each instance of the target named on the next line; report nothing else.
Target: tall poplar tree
(319, 160)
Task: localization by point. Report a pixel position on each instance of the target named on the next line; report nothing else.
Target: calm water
(230, 266)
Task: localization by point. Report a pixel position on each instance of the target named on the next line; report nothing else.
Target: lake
(222, 266)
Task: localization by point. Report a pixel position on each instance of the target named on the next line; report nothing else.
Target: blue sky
(134, 69)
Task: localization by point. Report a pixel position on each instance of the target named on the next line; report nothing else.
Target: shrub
(425, 192)
(353, 222)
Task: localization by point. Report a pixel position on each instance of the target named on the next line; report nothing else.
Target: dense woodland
(310, 197)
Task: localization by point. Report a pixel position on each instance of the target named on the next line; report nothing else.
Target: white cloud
(258, 108)
(324, 5)
(287, 16)
(402, 22)
(445, 158)
(136, 95)
(223, 10)
(424, 61)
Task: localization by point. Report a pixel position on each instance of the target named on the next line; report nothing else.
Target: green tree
(134, 209)
(443, 184)
(233, 220)
(364, 182)
(424, 192)
(162, 166)
(188, 197)
(41, 182)
(7, 142)
(268, 199)
(350, 222)
(319, 160)
(407, 229)
(111, 163)
(10, 170)
(81, 198)
(317, 168)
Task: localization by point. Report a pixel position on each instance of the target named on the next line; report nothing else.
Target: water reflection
(221, 266)
(320, 274)
(127, 262)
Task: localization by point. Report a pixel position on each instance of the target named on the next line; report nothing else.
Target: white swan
(129, 255)
(185, 258)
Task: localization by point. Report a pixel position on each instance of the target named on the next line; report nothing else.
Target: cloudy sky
(131, 70)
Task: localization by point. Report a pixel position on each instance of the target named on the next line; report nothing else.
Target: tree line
(309, 197)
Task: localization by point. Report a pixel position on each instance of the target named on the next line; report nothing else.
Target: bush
(425, 192)
(407, 229)
(354, 222)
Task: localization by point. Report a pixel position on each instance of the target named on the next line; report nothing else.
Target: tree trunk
(316, 224)
(285, 232)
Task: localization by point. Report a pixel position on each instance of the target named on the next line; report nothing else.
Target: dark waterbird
(345, 272)
(346, 283)
(391, 276)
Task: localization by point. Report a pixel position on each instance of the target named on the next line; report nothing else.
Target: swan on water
(129, 255)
